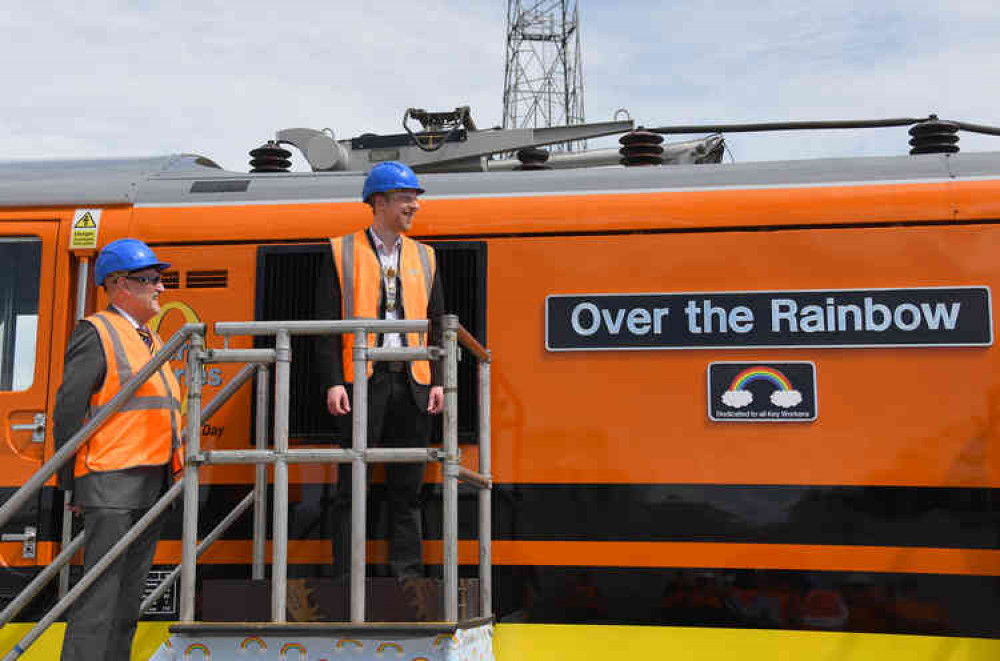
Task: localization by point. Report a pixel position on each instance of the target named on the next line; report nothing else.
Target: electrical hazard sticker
(762, 392)
(84, 233)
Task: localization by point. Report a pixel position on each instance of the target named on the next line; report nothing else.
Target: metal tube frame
(82, 278)
(485, 496)
(57, 460)
(260, 474)
(359, 482)
(189, 535)
(279, 537)
(450, 467)
(92, 575)
(359, 456)
(24, 597)
(210, 539)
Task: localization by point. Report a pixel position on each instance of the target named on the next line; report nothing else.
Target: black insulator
(532, 158)
(641, 148)
(270, 157)
(934, 137)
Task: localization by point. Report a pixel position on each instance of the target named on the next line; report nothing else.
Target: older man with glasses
(121, 471)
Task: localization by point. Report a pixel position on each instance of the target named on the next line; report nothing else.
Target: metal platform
(470, 640)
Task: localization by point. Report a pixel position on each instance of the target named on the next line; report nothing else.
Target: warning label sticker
(85, 226)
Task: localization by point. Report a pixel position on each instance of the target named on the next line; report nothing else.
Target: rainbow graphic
(197, 647)
(253, 641)
(444, 637)
(396, 647)
(784, 394)
(760, 373)
(288, 647)
(343, 643)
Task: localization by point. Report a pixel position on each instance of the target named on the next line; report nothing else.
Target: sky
(111, 78)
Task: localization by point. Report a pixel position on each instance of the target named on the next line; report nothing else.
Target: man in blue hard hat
(380, 273)
(121, 471)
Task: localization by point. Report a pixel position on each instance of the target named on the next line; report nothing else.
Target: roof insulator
(270, 157)
(934, 136)
(641, 148)
(532, 158)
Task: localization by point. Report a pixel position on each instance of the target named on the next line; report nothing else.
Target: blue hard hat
(125, 255)
(390, 175)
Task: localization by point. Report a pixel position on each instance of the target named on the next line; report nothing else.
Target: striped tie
(147, 337)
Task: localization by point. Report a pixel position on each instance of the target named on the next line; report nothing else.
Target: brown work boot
(421, 597)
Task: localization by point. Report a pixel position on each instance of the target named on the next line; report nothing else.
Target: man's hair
(114, 275)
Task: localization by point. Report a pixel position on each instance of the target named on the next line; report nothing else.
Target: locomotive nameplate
(845, 318)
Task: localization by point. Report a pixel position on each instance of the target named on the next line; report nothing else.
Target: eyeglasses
(145, 279)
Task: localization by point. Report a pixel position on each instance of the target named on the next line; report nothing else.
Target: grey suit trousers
(102, 623)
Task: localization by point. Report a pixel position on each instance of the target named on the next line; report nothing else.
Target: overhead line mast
(543, 70)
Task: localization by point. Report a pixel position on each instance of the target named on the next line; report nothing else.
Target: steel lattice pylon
(543, 77)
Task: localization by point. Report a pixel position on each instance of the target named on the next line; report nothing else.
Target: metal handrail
(29, 592)
(87, 579)
(358, 455)
(56, 461)
(205, 544)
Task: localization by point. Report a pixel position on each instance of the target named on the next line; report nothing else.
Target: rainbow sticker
(762, 392)
(389, 647)
(288, 647)
(253, 643)
(197, 647)
(784, 395)
(441, 638)
(345, 643)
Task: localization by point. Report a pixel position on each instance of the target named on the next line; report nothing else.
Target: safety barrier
(359, 455)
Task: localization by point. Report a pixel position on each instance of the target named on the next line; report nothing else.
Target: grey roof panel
(346, 186)
(169, 180)
(91, 181)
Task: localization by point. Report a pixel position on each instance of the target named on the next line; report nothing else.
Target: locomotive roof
(186, 179)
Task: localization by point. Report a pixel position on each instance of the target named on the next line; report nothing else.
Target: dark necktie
(147, 337)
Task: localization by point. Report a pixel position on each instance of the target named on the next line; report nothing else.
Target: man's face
(141, 294)
(398, 210)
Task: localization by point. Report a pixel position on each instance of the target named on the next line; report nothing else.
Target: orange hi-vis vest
(146, 430)
(360, 274)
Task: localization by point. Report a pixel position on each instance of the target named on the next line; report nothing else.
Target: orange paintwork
(916, 417)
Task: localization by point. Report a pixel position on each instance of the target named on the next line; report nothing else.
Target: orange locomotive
(739, 398)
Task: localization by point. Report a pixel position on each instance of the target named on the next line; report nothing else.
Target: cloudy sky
(143, 77)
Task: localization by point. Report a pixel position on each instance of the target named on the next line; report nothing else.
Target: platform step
(316, 641)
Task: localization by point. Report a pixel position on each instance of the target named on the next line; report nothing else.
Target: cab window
(19, 277)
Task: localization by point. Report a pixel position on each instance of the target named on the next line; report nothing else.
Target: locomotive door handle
(27, 539)
(36, 427)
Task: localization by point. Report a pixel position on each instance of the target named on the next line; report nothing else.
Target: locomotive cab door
(27, 274)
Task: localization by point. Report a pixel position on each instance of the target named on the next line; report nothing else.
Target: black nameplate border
(762, 392)
(833, 318)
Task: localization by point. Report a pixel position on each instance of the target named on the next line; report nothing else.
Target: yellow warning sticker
(85, 226)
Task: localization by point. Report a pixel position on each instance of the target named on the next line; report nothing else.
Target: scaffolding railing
(359, 455)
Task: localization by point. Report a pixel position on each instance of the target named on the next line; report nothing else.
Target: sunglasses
(145, 279)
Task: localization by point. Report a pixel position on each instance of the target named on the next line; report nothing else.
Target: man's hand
(435, 402)
(337, 401)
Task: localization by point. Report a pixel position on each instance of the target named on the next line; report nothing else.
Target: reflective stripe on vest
(146, 430)
(360, 274)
